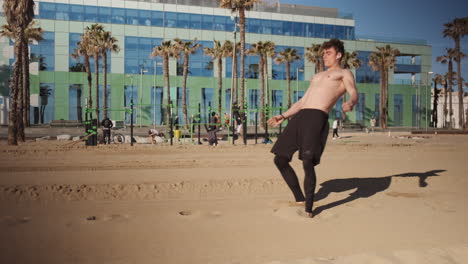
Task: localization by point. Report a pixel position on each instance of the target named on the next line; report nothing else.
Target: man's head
(333, 51)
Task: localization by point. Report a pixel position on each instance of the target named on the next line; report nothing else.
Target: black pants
(335, 132)
(107, 136)
(310, 180)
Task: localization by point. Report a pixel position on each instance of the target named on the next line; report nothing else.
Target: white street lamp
(427, 98)
(297, 82)
(139, 94)
(154, 93)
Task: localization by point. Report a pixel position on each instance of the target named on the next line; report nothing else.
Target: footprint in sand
(293, 211)
(14, 221)
(112, 217)
(196, 214)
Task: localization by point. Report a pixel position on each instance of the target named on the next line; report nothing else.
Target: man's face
(331, 57)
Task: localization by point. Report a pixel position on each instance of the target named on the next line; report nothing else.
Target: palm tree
(83, 50)
(270, 52)
(455, 30)
(258, 50)
(166, 50)
(287, 56)
(19, 14)
(31, 34)
(95, 34)
(187, 48)
(348, 61)
(217, 53)
(449, 77)
(382, 60)
(230, 48)
(241, 6)
(108, 43)
(314, 55)
(438, 79)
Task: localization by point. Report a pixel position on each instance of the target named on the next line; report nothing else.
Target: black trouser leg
(335, 132)
(282, 163)
(107, 134)
(310, 180)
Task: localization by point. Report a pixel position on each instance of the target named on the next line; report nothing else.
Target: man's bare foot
(310, 215)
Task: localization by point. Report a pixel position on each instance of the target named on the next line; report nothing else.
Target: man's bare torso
(324, 90)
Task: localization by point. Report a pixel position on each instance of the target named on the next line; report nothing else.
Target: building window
(180, 112)
(365, 74)
(130, 94)
(43, 52)
(276, 102)
(254, 104)
(46, 104)
(361, 109)
(398, 110)
(75, 102)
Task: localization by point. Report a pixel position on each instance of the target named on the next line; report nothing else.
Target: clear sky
(408, 19)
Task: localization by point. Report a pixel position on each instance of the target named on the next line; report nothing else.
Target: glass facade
(100, 14)
(279, 70)
(199, 63)
(276, 102)
(377, 109)
(254, 104)
(130, 93)
(76, 102)
(206, 104)
(398, 110)
(361, 109)
(46, 104)
(364, 74)
(138, 55)
(44, 52)
(179, 108)
(77, 64)
(157, 108)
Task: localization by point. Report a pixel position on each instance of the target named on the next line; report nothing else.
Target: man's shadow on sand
(365, 187)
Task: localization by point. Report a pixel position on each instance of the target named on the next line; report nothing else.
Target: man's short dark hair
(336, 44)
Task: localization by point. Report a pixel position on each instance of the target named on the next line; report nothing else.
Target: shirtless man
(307, 129)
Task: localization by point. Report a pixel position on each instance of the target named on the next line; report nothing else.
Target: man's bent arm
(296, 107)
(350, 86)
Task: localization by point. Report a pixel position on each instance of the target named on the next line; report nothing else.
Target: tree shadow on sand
(365, 187)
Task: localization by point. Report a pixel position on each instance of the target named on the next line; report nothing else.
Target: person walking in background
(307, 128)
(336, 124)
(372, 123)
(106, 124)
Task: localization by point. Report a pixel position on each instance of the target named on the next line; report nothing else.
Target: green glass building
(59, 86)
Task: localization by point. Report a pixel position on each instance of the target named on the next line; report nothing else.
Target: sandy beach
(380, 199)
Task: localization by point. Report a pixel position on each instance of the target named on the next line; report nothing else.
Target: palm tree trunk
(450, 66)
(386, 97)
(461, 112)
(235, 92)
(21, 86)
(267, 91)
(288, 81)
(381, 100)
(220, 84)
(262, 91)
(242, 53)
(166, 78)
(26, 85)
(445, 103)
(16, 76)
(184, 89)
(104, 90)
(434, 106)
(90, 81)
(96, 73)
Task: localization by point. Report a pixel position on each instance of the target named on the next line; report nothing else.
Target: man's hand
(275, 121)
(347, 107)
